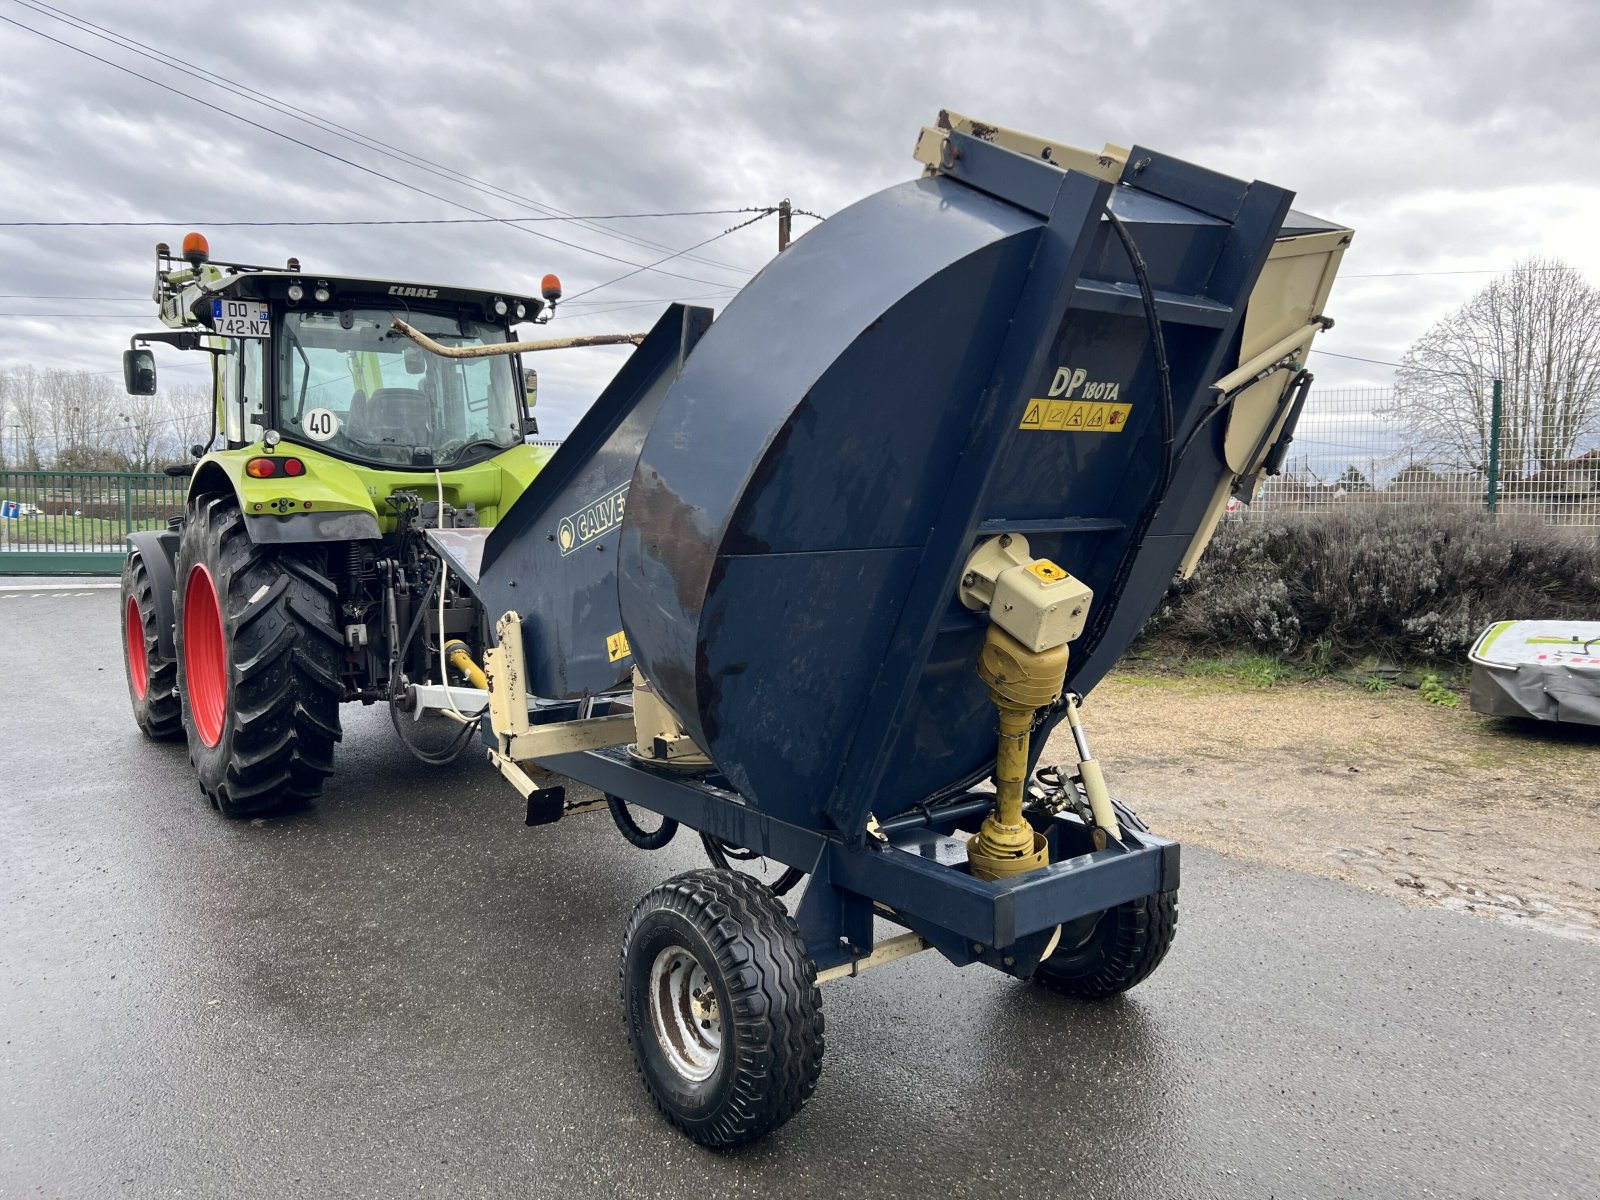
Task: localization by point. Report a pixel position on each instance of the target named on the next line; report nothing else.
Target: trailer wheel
(722, 1007)
(1105, 954)
(152, 678)
(645, 839)
(258, 664)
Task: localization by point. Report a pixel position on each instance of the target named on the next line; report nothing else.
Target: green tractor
(298, 577)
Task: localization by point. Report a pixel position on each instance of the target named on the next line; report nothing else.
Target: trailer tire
(645, 839)
(1104, 956)
(258, 663)
(152, 677)
(728, 1070)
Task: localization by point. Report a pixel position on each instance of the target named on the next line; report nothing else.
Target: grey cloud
(1406, 120)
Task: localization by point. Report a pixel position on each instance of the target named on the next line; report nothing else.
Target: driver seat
(392, 415)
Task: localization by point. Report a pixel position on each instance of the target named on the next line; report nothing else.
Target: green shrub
(1435, 692)
(1408, 586)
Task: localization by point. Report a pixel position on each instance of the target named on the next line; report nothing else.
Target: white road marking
(78, 586)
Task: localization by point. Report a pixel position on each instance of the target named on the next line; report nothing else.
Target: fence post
(1494, 451)
(127, 507)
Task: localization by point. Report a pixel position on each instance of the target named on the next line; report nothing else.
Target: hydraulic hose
(1158, 494)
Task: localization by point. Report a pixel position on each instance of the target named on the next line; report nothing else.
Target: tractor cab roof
(345, 291)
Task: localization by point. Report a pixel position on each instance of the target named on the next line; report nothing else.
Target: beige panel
(1107, 164)
(1293, 288)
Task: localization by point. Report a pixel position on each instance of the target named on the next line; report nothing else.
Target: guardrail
(77, 522)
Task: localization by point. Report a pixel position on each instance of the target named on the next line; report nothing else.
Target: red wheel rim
(133, 636)
(205, 656)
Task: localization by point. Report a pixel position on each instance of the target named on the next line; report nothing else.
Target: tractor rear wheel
(722, 1007)
(1103, 955)
(152, 677)
(258, 663)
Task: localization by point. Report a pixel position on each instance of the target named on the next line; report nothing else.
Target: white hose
(444, 577)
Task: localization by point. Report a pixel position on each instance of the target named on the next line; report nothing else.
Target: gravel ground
(1411, 799)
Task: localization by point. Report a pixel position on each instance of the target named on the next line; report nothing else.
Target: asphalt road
(406, 992)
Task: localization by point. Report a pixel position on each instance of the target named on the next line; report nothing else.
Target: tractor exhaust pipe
(567, 343)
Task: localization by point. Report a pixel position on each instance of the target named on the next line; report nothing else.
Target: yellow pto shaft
(1021, 681)
(459, 657)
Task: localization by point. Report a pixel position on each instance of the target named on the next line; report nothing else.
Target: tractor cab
(315, 360)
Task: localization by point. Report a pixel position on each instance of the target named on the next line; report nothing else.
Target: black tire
(720, 852)
(1104, 955)
(278, 717)
(645, 839)
(769, 1055)
(152, 678)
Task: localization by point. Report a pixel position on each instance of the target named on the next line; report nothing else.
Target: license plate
(241, 318)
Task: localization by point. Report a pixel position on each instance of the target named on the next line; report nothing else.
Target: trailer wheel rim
(133, 639)
(205, 656)
(684, 1014)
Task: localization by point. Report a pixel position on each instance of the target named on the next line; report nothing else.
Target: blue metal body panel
(862, 402)
(803, 491)
(552, 558)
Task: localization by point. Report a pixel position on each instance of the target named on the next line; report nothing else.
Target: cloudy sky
(1454, 137)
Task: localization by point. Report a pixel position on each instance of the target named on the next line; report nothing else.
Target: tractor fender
(332, 502)
(159, 550)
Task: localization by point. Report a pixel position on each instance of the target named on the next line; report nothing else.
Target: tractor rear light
(322, 294)
(520, 311)
(261, 468)
(498, 306)
(296, 293)
(292, 467)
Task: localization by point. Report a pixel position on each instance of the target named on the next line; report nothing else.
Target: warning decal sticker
(1075, 416)
(617, 647)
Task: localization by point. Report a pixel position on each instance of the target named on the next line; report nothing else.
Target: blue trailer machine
(817, 579)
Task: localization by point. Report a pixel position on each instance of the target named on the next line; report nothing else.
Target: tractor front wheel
(152, 677)
(258, 664)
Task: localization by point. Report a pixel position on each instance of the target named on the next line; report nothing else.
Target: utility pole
(1494, 451)
(785, 211)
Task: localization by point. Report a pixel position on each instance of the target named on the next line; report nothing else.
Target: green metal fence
(77, 522)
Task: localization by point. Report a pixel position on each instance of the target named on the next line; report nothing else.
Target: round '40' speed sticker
(320, 424)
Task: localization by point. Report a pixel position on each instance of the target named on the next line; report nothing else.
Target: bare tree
(186, 418)
(27, 413)
(140, 433)
(1537, 329)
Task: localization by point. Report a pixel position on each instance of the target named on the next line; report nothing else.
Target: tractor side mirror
(530, 385)
(139, 372)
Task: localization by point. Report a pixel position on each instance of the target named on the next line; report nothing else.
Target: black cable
(1164, 478)
(278, 133)
(701, 212)
(764, 213)
(328, 125)
(434, 758)
(719, 852)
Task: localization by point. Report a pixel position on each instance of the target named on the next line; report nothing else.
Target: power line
(327, 124)
(702, 212)
(1476, 271)
(358, 166)
(1378, 362)
(42, 296)
(766, 212)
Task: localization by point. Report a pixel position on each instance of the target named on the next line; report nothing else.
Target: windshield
(349, 384)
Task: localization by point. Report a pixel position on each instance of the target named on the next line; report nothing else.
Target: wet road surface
(406, 992)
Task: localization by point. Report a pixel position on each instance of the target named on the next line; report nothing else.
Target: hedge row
(1392, 583)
